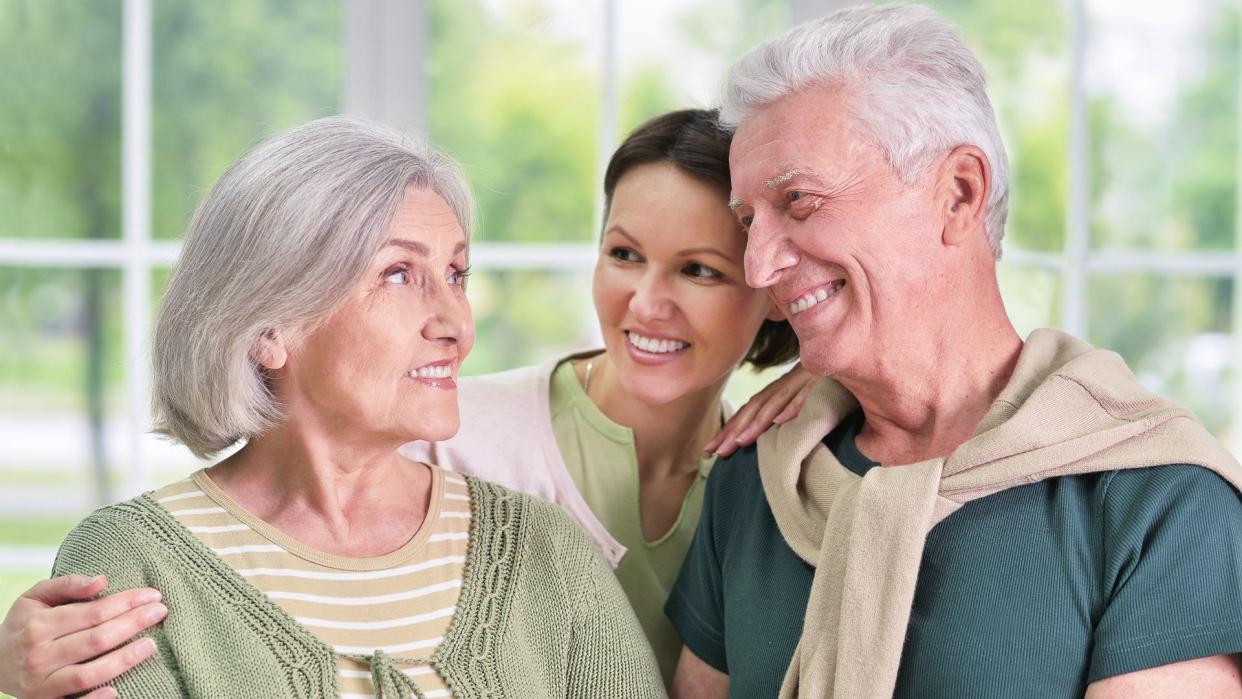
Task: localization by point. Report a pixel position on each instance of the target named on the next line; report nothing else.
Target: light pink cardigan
(506, 437)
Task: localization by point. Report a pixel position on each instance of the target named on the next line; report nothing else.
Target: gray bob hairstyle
(918, 90)
(272, 249)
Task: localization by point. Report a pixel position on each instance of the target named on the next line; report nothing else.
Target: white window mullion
(606, 139)
(136, 230)
(385, 59)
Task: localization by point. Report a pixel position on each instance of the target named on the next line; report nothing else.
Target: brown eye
(701, 271)
(623, 254)
(796, 195)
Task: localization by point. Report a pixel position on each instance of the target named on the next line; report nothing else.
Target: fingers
(97, 640)
(79, 678)
(795, 406)
(731, 428)
(749, 422)
(71, 618)
(102, 693)
(66, 588)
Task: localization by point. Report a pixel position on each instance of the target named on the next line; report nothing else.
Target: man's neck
(926, 404)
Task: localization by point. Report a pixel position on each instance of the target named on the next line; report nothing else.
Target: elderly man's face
(840, 242)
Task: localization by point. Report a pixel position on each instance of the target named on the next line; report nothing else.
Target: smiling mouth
(654, 345)
(815, 297)
(443, 371)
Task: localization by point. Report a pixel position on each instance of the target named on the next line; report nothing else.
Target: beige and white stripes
(401, 602)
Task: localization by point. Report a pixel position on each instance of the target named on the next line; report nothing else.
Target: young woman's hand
(779, 402)
(56, 640)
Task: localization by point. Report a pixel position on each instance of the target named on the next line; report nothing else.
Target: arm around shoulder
(102, 544)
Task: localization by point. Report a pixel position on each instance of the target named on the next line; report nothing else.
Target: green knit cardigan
(540, 613)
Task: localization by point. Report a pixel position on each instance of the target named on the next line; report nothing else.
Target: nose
(769, 253)
(651, 300)
(450, 321)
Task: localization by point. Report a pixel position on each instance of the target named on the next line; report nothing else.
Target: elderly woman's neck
(328, 496)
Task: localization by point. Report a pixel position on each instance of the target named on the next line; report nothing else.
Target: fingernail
(144, 648)
(155, 613)
(149, 596)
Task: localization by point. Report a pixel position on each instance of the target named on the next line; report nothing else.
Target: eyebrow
(621, 231)
(690, 252)
(783, 178)
(419, 248)
(736, 202)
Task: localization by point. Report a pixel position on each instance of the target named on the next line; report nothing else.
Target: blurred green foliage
(517, 100)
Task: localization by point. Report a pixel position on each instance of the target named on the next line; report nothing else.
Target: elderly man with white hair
(956, 512)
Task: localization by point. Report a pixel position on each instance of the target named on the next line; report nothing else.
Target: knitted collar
(1068, 409)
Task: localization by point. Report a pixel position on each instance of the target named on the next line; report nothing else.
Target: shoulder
(113, 538)
(547, 546)
(1177, 502)
(537, 519)
(735, 478)
(1202, 487)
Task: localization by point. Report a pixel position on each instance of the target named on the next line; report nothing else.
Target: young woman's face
(384, 365)
(670, 293)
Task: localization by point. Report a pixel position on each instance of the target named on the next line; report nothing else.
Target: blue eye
(397, 275)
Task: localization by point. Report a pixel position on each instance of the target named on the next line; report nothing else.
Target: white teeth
(812, 298)
(653, 345)
(443, 371)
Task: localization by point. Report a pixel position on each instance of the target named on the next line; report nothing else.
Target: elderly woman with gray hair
(318, 315)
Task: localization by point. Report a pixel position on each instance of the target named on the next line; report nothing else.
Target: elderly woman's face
(384, 365)
(673, 305)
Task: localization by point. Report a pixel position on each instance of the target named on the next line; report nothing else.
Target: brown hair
(694, 142)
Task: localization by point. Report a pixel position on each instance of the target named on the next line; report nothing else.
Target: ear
(270, 351)
(963, 190)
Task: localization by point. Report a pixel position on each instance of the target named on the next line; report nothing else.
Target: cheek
(609, 294)
(728, 319)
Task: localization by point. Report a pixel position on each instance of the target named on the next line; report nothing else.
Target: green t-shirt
(1034, 591)
(601, 458)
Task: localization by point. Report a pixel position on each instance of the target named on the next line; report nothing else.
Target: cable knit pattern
(540, 612)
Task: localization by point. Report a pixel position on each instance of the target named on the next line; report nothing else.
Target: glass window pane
(1032, 297)
(226, 73)
(527, 317)
(60, 119)
(61, 411)
(674, 54)
(513, 94)
(1025, 49)
(1162, 80)
(1175, 334)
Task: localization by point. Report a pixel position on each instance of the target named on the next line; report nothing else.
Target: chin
(653, 390)
(822, 357)
(435, 430)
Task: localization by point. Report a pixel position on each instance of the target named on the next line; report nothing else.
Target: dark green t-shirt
(1034, 591)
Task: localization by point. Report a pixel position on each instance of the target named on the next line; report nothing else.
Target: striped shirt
(401, 602)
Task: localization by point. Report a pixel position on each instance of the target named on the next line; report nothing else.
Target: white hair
(917, 89)
(272, 249)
